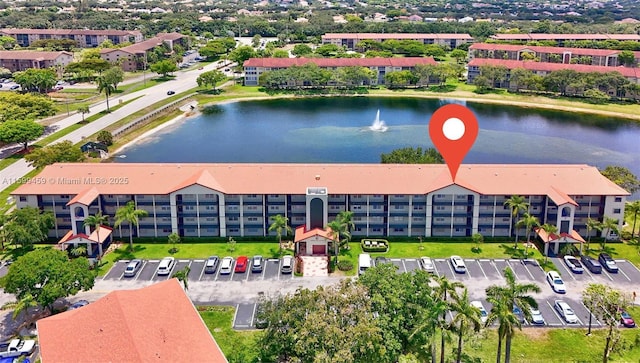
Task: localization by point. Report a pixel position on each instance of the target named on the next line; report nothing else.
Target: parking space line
(513, 270)
(594, 317)
(202, 272)
(568, 271)
(588, 272)
(625, 275)
(451, 269)
(235, 315)
(528, 271)
(403, 265)
(107, 274)
(144, 263)
(496, 267)
(607, 274)
(481, 269)
(253, 314)
(556, 313)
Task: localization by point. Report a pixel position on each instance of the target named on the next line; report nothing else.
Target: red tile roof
(396, 36)
(338, 62)
(550, 67)
(538, 49)
(551, 237)
(14, 31)
(31, 55)
(157, 323)
(151, 43)
(540, 36)
(302, 234)
(490, 179)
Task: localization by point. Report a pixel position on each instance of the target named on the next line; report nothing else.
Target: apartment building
(254, 67)
(220, 200)
(350, 40)
(561, 39)
(85, 38)
(20, 60)
(133, 57)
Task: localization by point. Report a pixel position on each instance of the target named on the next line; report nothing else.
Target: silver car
(536, 317)
(566, 312)
(287, 265)
(132, 268)
(427, 264)
(226, 265)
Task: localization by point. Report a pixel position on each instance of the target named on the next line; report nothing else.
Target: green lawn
(530, 345)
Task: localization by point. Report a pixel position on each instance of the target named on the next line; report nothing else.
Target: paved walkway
(313, 266)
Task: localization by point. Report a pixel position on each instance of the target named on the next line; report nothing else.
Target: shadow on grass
(13, 253)
(127, 253)
(443, 88)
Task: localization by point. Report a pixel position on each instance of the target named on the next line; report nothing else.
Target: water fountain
(378, 125)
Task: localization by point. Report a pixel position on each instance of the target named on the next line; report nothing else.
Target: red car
(626, 319)
(241, 264)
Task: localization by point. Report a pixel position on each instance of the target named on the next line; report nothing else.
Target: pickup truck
(17, 347)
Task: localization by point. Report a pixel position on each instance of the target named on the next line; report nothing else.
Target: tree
(633, 208)
(279, 224)
(210, 78)
(477, 238)
(592, 224)
(513, 294)
(328, 324)
(105, 137)
(173, 239)
(355, 76)
(495, 74)
(399, 78)
(183, 275)
(164, 67)
(242, 53)
(516, 204)
(105, 86)
(255, 41)
(83, 110)
(61, 152)
(623, 177)
(79, 251)
(608, 225)
(558, 81)
(114, 75)
(89, 66)
(132, 216)
(95, 221)
(430, 323)
(627, 58)
(467, 318)
(336, 230)
(502, 313)
(27, 226)
(445, 289)
(459, 55)
(528, 221)
(280, 53)
(16, 106)
(36, 80)
(300, 50)
(47, 275)
(21, 131)
(605, 304)
(410, 155)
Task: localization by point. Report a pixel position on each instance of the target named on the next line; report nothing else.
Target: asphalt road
(184, 81)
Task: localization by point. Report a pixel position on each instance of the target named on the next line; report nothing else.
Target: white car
(458, 264)
(427, 264)
(574, 265)
(556, 283)
(166, 265)
(566, 312)
(226, 265)
(483, 312)
(536, 317)
(18, 347)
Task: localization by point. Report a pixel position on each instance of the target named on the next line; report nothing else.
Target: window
(398, 229)
(209, 207)
(439, 219)
(616, 211)
(418, 207)
(396, 207)
(252, 219)
(64, 197)
(188, 207)
(232, 219)
(618, 199)
(376, 207)
(439, 207)
(23, 198)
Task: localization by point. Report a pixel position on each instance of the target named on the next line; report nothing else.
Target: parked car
(554, 279)
(574, 265)
(483, 312)
(458, 264)
(241, 264)
(166, 265)
(381, 261)
(518, 312)
(427, 264)
(132, 268)
(287, 264)
(591, 264)
(170, 92)
(256, 264)
(78, 304)
(18, 347)
(211, 265)
(14, 87)
(626, 319)
(608, 263)
(566, 312)
(536, 317)
(226, 265)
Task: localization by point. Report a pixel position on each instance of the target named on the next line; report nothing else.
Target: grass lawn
(237, 346)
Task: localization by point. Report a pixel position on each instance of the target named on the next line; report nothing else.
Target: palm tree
(96, 221)
(83, 110)
(517, 204)
(502, 312)
(467, 317)
(106, 87)
(633, 208)
(529, 222)
(550, 229)
(346, 217)
(592, 224)
(129, 214)
(79, 251)
(445, 288)
(336, 227)
(183, 276)
(279, 224)
(513, 294)
(609, 225)
(430, 322)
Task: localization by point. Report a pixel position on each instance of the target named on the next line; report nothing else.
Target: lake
(336, 130)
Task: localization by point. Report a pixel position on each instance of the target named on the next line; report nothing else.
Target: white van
(364, 262)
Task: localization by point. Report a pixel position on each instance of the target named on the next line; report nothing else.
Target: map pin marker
(453, 129)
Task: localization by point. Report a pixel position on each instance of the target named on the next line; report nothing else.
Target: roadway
(184, 81)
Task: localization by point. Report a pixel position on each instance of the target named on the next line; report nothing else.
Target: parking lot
(149, 272)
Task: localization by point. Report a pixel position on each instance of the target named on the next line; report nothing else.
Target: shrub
(381, 245)
(345, 265)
